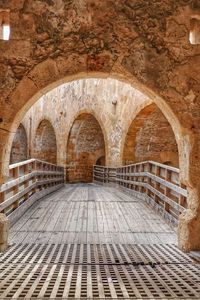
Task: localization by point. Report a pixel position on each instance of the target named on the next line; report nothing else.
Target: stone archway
(188, 238)
(150, 137)
(165, 101)
(85, 146)
(143, 42)
(19, 150)
(44, 144)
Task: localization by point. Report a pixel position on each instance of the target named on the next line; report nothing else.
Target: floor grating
(94, 254)
(94, 271)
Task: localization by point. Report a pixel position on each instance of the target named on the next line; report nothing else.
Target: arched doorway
(101, 161)
(150, 137)
(85, 146)
(44, 145)
(19, 150)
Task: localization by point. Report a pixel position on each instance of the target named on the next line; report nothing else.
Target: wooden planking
(86, 213)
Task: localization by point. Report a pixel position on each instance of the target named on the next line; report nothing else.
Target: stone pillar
(4, 226)
(114, 149)
(189, 221)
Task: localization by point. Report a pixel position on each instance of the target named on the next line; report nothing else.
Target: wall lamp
(4, 24)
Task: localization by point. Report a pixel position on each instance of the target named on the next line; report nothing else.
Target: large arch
(44, 144)
(85, 146)
(19, 150)
(145, 43)
(188, 239)
(184, 136)
(150, 137)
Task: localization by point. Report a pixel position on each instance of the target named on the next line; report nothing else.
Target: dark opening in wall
(101, 161)
(194, 36)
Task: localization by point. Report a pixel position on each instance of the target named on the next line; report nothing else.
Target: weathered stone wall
(85, 146)
(44, 143)
(156, 141)
(113, 103)
(19, 150)
(145, 43)
(150, 137)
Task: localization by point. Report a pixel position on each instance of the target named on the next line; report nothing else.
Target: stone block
(4, 226)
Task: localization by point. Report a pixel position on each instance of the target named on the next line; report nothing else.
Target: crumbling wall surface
(110, 101)
(44, 143)
(19, 150)
(85, 146)
(150, 137)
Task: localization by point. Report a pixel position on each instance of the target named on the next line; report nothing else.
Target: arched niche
(44, 144)
(19, 150)
(84, 147)
(150, 137)
(101, 161)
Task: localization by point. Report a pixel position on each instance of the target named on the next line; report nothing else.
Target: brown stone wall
(44, 146)
(145, 43)
(85, 146)
(19, 150)
(113, 103)
(150, 137)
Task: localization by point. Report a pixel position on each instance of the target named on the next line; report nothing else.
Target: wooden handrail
(26, 178)
(156, 183)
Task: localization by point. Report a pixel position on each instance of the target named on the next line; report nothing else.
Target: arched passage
(150, 137)
(44, 145)
(19, 150)
(85, 147)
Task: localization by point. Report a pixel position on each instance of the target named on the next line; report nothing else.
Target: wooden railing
(104, 175)
(157, 184)
(28, 181)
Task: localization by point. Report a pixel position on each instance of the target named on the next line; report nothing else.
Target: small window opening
(4, 25)
(194, 36)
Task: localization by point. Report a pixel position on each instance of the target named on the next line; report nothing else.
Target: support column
(4, 226)
(189, 221)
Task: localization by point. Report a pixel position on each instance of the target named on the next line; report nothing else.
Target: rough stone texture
(4, 225)
(44, 144)
(19, 150)
(98, 97)
(141, 42)
(150, 137)
(85, 146)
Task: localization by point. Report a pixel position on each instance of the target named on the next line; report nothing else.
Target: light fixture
(194, 34)
(6, 32)
(4, 25)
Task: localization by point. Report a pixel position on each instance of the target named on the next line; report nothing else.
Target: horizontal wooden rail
(156, 183)
(104, 175)
(28, 181)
